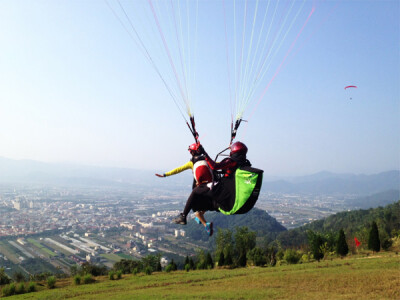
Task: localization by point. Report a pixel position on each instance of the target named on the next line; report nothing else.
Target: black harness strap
(192, 128)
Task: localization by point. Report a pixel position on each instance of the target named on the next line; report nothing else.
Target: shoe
(209, 228)
(197, 220)
(181, 219)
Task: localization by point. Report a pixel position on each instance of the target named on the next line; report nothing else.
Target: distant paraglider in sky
(352, 87)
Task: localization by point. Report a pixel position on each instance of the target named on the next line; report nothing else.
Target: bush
(386, 244)
(88, 279)
(168, 268)
(94, 270)
(12, 288)
(6, 291)
(291, 256)
(305, 257)
(119, 274)
(31, 287)
(187, 267)
(200, 266)
(20, 288)
(135, 271)
(256, 257)
(148, 271)
(280, 254)
(111, 275)
(77, 279)
(51, 282)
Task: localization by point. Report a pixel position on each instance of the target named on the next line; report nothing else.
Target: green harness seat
(247, 186)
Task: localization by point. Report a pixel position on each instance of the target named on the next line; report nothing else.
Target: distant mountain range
(28, 171)
(375, 200)
(331, 183)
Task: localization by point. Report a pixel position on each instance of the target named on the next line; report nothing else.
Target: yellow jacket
(188, 165)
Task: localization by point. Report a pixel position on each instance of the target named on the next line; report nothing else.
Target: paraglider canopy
(351, 87)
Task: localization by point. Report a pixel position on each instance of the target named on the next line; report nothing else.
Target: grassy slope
(372, 277)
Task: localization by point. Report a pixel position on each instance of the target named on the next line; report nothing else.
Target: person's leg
(194, 197)
(189, 202)
(200, 216)
(208, 226)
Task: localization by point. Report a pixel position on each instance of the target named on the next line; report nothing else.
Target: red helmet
(193, 148)
(238, 148)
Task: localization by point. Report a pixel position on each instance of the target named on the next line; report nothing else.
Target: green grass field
(42, 248)
(369, 277)
(125, 256)
(111, 257)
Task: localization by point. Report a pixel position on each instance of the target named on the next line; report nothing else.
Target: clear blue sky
(74, 87)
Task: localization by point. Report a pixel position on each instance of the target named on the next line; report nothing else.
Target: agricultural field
(375, 276)
(10, 253)
(41, 247)
(111, 257)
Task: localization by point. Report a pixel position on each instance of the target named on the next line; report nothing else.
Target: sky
(76, 86)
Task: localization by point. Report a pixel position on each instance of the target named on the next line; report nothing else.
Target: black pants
(199, 200)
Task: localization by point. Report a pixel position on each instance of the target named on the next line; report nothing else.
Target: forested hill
(354, 223)
(256, 220)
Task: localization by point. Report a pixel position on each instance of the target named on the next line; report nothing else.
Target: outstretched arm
(188, 165)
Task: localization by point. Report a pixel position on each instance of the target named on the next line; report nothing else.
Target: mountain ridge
(61, 173)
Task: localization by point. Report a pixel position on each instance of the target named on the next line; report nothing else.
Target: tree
(245, 240)
(228, 259)
(209, 261)
(270, 254)
(202, 260)
(341, 247)
(151, 261)
(224, 241)
(221, 259)
(128, 265)
(291, 256)
(18, 276)
(256, 257)
(374, 242)
(159, 267)
(316, 242)
(174, 267)
(191, 263)
(73, 270)
(94, 270)
(4, 279)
